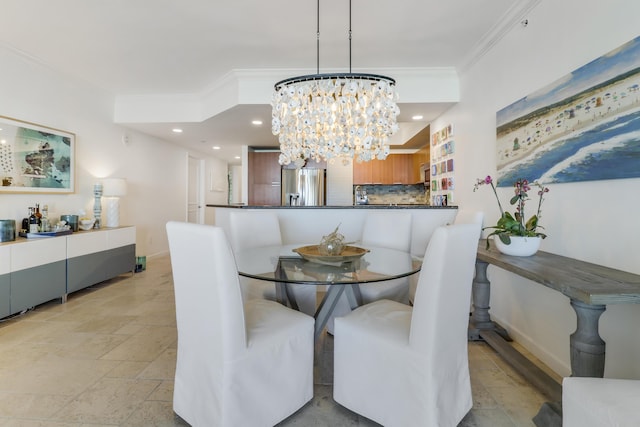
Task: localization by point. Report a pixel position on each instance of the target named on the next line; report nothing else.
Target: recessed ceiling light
(215, 147)
(177, 130)
(236, 157)
(417, 117)
(256, 122)
(3, 141)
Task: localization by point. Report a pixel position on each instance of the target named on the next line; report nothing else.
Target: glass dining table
(283, 266)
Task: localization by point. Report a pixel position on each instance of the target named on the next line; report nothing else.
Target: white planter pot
(520, 246)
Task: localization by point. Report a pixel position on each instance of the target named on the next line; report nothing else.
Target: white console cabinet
(33, 271)
(5, 284)
(95, 256)
(38, 272)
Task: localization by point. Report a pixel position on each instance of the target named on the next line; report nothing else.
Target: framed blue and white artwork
(584, 126)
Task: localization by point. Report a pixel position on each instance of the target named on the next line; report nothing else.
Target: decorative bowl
(87, 224)
(314, 253)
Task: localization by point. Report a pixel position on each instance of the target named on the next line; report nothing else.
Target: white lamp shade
(114, 187)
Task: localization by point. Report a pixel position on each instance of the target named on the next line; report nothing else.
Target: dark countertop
(241, 206)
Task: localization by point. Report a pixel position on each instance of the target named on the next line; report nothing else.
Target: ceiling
(160, 47)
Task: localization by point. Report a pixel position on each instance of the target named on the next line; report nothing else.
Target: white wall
(155, 170)
(592, 221)
(339, 183)
(236, 183)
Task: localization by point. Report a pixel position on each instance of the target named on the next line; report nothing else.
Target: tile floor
(107, 358)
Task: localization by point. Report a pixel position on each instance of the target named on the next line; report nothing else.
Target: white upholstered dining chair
(254, 229)
(466, 216)
(600, 402)
(462, 217)
(237, 365)
(388, 230)
(404, 366)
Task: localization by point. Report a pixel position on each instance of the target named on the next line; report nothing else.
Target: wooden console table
(590, 287)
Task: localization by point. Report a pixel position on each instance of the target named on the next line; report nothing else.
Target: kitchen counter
(370, 206)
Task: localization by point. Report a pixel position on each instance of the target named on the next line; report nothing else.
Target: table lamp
(112, 190)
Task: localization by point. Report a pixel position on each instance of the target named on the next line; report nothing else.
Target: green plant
(515, 225)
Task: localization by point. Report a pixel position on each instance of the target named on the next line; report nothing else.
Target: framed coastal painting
(35, 158)
(584, 126)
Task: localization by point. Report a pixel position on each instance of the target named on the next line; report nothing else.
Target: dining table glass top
(282, 264)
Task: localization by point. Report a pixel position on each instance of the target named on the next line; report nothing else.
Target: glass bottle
(38, 214)
(33, 221)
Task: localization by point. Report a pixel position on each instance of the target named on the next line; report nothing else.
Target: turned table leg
(481, 291)
(587, 348)
(481, 294)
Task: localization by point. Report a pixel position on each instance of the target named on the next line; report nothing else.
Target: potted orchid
(514, 226)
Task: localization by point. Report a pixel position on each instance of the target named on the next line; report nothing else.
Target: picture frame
(581, 127)
(35, 158)
(450, 165)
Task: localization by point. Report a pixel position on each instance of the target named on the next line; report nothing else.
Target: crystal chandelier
(326, 116)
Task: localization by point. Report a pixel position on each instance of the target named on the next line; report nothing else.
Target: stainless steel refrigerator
(303, 187)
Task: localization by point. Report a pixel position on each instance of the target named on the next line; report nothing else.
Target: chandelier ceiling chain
(318, 37)
(349, 35)
(332, 115)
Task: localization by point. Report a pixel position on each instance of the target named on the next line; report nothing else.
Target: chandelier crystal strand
(326, 116)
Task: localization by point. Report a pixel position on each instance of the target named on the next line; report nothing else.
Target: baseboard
(532, 373)
(560, 367)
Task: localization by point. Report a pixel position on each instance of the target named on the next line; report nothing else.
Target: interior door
(195, 193)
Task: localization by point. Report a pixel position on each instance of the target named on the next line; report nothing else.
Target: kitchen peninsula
(307, 224)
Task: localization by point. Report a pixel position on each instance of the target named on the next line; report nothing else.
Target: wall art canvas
(35, 159)
(441, 157)
(582, 127)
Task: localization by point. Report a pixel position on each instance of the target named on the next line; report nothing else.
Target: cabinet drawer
(34, 253)
(5, 259)
(87, 270)
(121, 260)
(36, 285)
(119, 237)
(5, 295)
(87, 242)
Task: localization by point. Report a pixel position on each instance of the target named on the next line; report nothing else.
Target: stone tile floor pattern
(107, 358)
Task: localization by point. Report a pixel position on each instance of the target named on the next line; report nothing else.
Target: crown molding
(512, 17)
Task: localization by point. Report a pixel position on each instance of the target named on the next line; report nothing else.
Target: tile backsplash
(415, 194)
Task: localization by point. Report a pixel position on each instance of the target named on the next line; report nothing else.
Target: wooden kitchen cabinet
(362, 173)
(264, 178)
(418, 165)
(382, 171)
(402, 168)
(395, 169)
(373, 172)
(421, 162)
